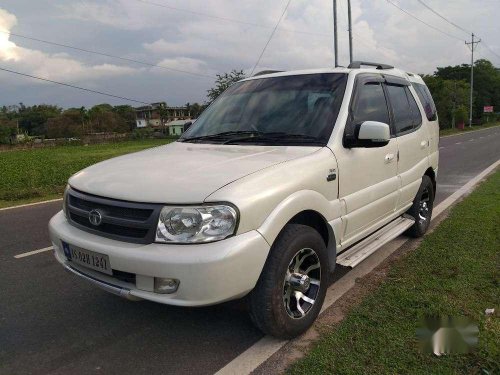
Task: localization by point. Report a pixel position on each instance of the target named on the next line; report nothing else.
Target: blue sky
(205, 45)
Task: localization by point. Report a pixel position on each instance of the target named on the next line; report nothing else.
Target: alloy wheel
(302, 283)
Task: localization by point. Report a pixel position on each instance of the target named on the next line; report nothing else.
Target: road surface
(53, 322)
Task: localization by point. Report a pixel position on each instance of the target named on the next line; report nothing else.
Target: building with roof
(159, 114)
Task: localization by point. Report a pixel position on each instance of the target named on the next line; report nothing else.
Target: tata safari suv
(284, 176)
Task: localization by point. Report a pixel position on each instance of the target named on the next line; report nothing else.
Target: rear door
(412, 138)
(368, 182)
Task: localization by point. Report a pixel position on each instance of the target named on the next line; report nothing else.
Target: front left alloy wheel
(292, 286)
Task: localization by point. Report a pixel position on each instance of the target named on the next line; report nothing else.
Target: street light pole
(472, 44)
(335, 39)
(350, 29)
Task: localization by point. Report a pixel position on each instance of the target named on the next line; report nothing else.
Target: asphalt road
(53, 322)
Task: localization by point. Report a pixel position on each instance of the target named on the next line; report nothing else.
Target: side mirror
(371, 134)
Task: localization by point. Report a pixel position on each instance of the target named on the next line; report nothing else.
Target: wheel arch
(309, 208)
(317, 221)
(432, 175)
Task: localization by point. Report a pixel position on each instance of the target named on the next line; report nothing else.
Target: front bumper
(209, 273)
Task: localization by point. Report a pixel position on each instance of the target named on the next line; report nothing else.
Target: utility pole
(335, 39)
(472, 44)
(350, 29)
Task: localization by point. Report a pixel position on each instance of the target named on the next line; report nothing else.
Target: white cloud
(208, 45)
(59, 66)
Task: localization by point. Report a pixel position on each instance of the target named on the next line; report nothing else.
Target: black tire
(421, 210)
(273, 300)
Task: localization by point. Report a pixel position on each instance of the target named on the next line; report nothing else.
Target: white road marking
(259, 352)
(458, 143)
(31, 204)
(470, 140)
(441, 147)
(23, 255)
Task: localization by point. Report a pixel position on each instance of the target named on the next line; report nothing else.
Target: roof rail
(267, 72)
(358, 64)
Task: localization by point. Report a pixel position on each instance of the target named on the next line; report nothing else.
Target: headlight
(196, 224)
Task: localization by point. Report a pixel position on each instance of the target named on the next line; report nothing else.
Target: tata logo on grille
(95, 217)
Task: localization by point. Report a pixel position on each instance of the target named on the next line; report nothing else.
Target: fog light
(165, 285)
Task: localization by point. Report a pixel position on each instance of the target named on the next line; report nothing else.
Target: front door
(368, 183)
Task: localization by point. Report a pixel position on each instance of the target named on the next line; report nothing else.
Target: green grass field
(445, 132)
(454, 272)
(39, 174)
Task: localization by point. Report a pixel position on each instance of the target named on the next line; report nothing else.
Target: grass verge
(454, 272)
(446, 132)
(40, 174)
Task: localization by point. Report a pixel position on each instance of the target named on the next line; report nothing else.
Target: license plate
(87, 258)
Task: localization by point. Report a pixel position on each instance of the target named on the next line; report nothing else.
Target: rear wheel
(421, 210)
(292, 287)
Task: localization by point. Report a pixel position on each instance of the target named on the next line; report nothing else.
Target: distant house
(159, 114)
(178, 127)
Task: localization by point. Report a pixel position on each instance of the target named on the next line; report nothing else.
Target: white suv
(284, 176)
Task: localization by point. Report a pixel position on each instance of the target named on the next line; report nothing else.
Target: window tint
(415, 112)
(425, 98)
(370, 104)
(403, 120)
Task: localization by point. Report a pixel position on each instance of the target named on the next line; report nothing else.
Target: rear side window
(403, 119)
(370, 104)
(415, 112)
(425, 97)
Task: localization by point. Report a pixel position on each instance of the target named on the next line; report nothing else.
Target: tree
(222, 82)
(195, 109)
(486, 83)
(67, 125)
(33, 119)
(7, 130)
(127, 113)
(448, 95)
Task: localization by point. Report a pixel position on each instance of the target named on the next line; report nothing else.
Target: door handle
(424, 144)
(389, 158)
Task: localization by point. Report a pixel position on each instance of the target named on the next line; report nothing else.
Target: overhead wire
(232, 20)
(271, 36)
(423, 22)
(107, 55)
(73, 86)
(444, 18)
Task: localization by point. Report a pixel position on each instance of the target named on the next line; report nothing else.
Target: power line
(490, 49)
(232, 20)
(444, 18)
(107, 55)
(421, 21)
(73, 86)
(271, 36)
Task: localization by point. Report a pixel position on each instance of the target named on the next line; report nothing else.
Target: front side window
(370, 104)
(284, 110)
(403, 119)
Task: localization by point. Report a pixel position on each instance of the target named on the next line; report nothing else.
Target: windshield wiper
(278, 137)
(223, 135)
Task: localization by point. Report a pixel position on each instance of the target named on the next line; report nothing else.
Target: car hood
(179, 172)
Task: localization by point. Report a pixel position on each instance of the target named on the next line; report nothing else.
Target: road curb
(470, 131)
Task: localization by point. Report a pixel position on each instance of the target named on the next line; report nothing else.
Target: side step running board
(362, 250)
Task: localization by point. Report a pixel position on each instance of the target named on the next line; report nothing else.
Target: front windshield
(299, 109)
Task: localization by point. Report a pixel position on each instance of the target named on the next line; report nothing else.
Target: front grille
(121, 220)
